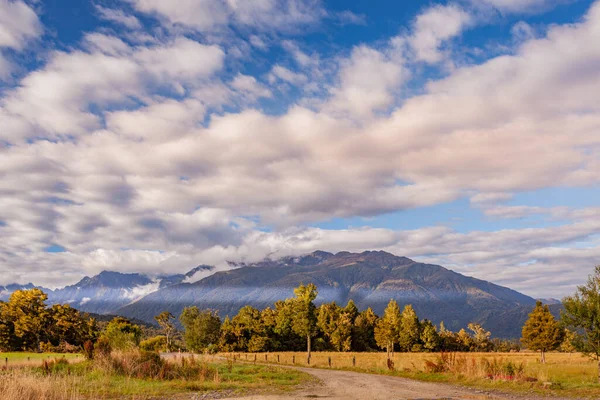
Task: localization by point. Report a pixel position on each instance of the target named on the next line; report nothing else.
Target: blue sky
(152, 136)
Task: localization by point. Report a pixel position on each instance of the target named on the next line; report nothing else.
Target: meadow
(19, 359)
(145, 376)
(567, 375)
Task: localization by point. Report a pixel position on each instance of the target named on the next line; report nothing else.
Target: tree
(68, 325)
(26, 310)
(363, 334)
(202, 328)
(286, 338)
(481, 337)
(581, 314)
(567, 345)
(541, 331)
(410, 329)
(164, 319)
(328, 316)
(388, 327)
(429, 336)
(305, 313)
(121, 334)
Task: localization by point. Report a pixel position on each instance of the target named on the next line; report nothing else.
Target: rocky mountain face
(108, 291)
(371, 279)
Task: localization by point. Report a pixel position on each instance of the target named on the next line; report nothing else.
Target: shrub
(102, 347)
(88, 350)
(156, 344)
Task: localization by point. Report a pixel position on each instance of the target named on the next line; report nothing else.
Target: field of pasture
(569, 375)
(19, 359)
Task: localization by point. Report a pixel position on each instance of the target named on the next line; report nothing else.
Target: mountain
(108, 291)
(370, 278)
(550, 301)
(5, 291)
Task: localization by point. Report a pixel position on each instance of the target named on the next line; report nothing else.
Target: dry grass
(141, 375)
(22, 384)
(570, 374)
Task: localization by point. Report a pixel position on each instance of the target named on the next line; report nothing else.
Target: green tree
(286, 338)
(581, 314)
(304, 321)
(165, 320)
(328, 316)
(121, 334)
(410, 329)
(387, 327)
(541, 331)
(429, 336)
(227, 338)
(202, 328)
(249, 330)
(464, 341)
(567, 345)
(363, 334)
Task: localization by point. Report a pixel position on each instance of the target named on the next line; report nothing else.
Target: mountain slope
(108, 291)
(371, 279)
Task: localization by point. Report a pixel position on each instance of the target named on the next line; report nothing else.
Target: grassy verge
(564, 375)
(121, 378)
(25, 358)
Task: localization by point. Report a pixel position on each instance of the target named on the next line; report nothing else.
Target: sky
(152, 136)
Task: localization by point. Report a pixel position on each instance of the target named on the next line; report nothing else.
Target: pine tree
(410, 329)
(582, 315)
(387, 327)
(541, 331)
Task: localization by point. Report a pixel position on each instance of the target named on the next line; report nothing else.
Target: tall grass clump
(469, 367)
(19, 384)
(149, 365)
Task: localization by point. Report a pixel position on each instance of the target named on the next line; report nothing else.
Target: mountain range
(370, 278)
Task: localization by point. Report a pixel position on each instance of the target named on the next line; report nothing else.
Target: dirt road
(345, 385)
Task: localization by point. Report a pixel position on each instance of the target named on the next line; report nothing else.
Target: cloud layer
(142, 152)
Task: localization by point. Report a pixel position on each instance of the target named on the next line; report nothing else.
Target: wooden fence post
(255, 358)
(293, 359)
(329, 361)
(6, 362)
(354, 361)
(266, 357)
(277, 358)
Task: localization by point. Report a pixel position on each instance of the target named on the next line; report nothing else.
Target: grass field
(569, 375)
(87, 380)
(24, 358)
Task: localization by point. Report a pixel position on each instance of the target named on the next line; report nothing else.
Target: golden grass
(570, 374)
(21, 384)
(125, 378)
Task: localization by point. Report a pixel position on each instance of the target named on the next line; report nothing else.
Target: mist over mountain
(370, 278)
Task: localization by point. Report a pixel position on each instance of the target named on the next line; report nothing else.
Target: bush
(102, 347)
(88, 350)
(156, 344)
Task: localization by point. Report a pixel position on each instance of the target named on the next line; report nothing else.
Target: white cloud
(118, 17)
(286, 75)
(519, 6)
(211, 15)
(360, 91)
(18, 24)
(433, 28)
(56, 98)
